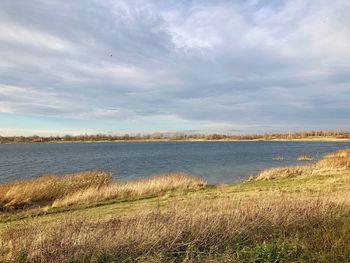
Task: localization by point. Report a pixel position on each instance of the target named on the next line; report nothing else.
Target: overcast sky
(116, 66)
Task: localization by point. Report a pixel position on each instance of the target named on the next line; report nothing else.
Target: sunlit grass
(155, 185)
(244, 229)
(339, 160)
(87, 188)
(45, 189)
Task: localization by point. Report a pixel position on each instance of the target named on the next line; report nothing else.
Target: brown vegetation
(133, 189)
(305, 158)
(179, 137)
(256, 230)
(339, 160)
(45, 189)
(280, 172)
(87, 188)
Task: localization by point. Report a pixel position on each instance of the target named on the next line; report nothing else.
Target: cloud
(31, 132)
(224, 64)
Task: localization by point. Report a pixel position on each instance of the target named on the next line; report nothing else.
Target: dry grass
(339, 160)
(133, 189)
(198, 230)
(88, 188)
(305, 158)
(45, 189)
(281, 172)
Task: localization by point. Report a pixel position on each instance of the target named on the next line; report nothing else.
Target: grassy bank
(298, 214)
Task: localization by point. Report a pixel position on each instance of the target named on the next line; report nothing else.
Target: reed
(305, 158)
(280, 172)
(155, 185)
(337, 161)
(88, 188)
(45, 189)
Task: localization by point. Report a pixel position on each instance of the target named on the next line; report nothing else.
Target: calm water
(218, 162)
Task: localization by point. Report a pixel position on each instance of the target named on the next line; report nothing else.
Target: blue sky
(89, 66)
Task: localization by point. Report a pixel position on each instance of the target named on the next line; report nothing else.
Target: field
(287, 214)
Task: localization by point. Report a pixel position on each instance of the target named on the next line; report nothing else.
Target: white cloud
(227, 64)
(15, 34)
(38, 132)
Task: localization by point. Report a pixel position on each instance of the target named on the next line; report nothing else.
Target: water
(218, 162)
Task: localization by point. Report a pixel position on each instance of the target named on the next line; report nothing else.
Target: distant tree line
(173, 137)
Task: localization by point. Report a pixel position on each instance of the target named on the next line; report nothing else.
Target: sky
(115, 67)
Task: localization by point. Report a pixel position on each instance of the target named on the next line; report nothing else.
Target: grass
(298, 216)
(155, 185)
(192, 231)
(88, 188)
(45, 189)
(305, 158)
(337, 161)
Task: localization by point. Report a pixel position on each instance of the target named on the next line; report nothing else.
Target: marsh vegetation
(305, 157)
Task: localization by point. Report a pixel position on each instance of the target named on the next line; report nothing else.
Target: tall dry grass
(45, 189)
(333, 162)
(132, 189)
(294, 229)
(88, 188)
(336, 160)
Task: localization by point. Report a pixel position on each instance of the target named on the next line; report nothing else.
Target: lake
(218, 162)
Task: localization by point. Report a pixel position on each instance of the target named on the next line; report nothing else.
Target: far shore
(303, 136)
(311, 139)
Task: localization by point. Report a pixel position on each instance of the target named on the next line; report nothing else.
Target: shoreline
(317, 139)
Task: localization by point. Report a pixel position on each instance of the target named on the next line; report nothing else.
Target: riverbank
(313, 139)
(159, 137)
(284, 214)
